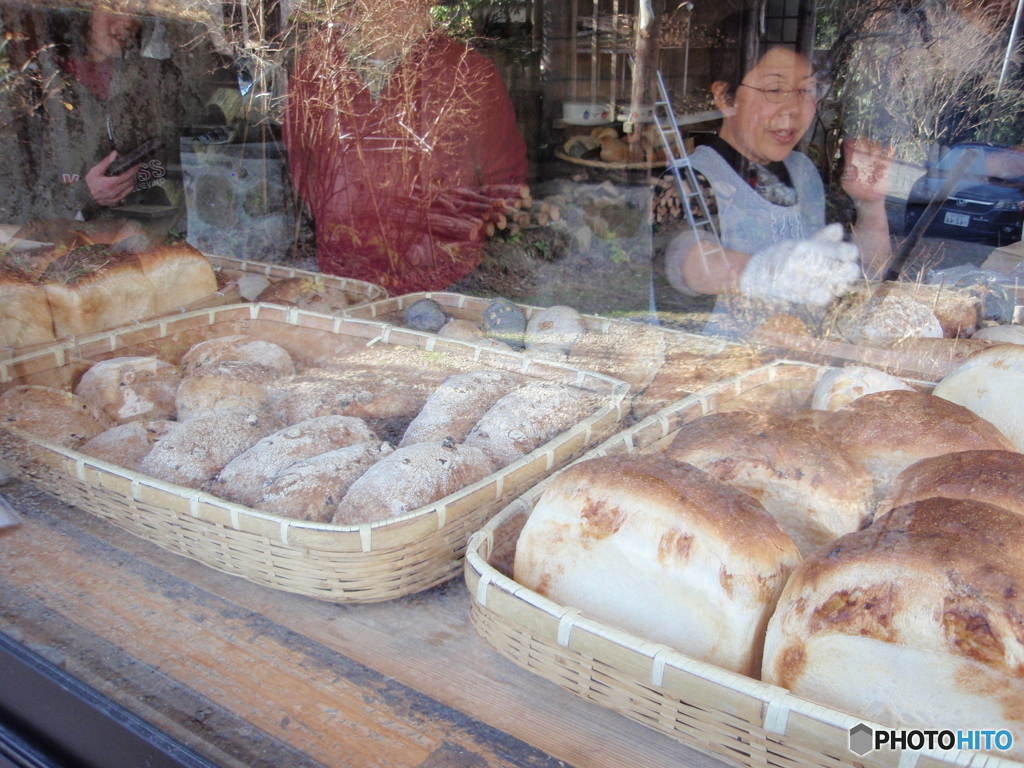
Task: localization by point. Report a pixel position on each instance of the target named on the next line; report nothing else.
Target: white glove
(812, 271)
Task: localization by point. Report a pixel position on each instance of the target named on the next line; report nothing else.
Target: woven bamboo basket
(364, 563)
(729, 716)
(358, 291)
(634, 352)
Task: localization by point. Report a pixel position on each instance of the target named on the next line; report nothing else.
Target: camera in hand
(141, 153)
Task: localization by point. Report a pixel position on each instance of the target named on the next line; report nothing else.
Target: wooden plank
(311, 675)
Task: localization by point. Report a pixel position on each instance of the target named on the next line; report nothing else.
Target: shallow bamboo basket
(632, 351)
(362, 563)
(358, 291)
(721, 713)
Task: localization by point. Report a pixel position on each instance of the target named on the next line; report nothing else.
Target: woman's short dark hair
(739, 46)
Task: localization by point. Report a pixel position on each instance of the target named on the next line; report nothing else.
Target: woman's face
(761, 130)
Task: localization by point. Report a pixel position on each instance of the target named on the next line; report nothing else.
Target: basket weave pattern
(363, 563)
(730, 716)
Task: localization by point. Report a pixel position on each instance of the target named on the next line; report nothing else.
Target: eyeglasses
(779, 95)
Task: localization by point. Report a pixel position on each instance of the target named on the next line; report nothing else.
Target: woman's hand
(109, 190)
(866, 170)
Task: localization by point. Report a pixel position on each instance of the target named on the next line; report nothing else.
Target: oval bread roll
(913, 622)
(52, 414)
(461, 330)
(879, 321)
(994, 477)
(991, 384)
(128, 444)
(410, 478)
(457, 405)
(238, 349)
(194, 452)
(224, 385)
(310, 489)
(244, 477)
(526, 418)
(662, 550)
(886, 432)
(1004, 334)
(131, 388)
(305, 293)
(814, 489)
(842, 386)
(558, 326)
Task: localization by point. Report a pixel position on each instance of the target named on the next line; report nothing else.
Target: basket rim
(616, 394)
(777, 702)
(268, 269)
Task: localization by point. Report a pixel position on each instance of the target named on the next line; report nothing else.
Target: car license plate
(957, 219)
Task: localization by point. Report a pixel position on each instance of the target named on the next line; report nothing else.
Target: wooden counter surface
(249, 676)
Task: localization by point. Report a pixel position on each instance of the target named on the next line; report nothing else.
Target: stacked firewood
(667, 203)
(469, 214)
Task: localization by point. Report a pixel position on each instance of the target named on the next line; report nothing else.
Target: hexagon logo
(862, 739)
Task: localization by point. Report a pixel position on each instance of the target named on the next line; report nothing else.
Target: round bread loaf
(1004, 334)
(457, 405)
(841, 386)
(878, 321)
(310, 489)
(52, 414)
(526, 418)
(461, 330)
(305, 293)
(662, 550)
(886, 432)
(238, 349)
(410, 478)
(245, 476)
(815, 490)
(913, 622)
(198, 449)
(131, 388)
(994, 477)
(128, 444)
(224, 384)
(991, 384)
(558, 326)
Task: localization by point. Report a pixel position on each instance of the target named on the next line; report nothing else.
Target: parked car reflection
(986, 205)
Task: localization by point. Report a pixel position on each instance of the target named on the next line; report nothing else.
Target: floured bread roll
(662, 550)
(24, 311)
(940, 351)
(991, 384)
(842, 386)
(457, 405)
(305, 293)
(244, 477)
(630, 352)
(886, 432)
(461, 330)
(96, 287)
(813, 488)
(913, 622)
(220, 385)
(411, 478)
(381, 397)
(52, 414)
(558, 326)
(180, 274)
(238, 349)
(131, 388)
(194, 452)
(1004, 334)
(526, 418)
(310, 489)
(994, 477)
(878, 321)
(128, 444)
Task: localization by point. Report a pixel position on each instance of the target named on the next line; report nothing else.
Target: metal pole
(1002, 75)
